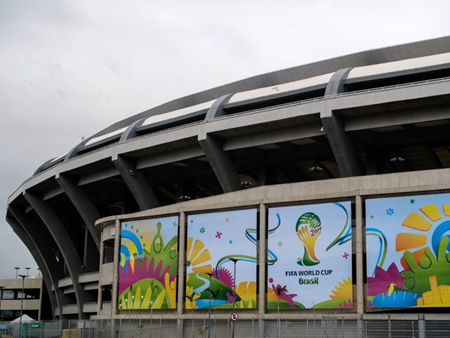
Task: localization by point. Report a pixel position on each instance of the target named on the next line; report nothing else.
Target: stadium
(319, 191)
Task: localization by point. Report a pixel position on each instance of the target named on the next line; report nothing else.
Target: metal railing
(330, 327)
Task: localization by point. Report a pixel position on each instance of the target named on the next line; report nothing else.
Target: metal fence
(326, 327)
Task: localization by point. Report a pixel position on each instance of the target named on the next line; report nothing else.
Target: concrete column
(336, 83)
(220, 163)
(100, 273)
(181, 262)
(262, 262)
(65, 245)
(39, 237)
(217, 107)
(262, 259)
(82, 203)
(115, 285)
(131, 131)
(136, 182)
(340, 143)
(56, 301)
(359, 256)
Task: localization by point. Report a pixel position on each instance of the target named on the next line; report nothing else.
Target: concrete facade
(356, 189)
(11, 301)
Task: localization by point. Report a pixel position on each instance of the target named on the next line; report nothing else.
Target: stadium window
(8, 294)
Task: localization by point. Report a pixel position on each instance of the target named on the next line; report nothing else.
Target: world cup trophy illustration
(308, 229)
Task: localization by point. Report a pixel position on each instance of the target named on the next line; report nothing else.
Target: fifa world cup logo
(308, 229)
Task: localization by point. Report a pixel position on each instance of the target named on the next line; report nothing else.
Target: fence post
(260, 328)
(112, 328)
(180, 327)
(421, 326)
(389, 327)
(140, 324)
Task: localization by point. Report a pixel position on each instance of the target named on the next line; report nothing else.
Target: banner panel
(408, 260)
(310, 256)
(221, 259)
(148, 264)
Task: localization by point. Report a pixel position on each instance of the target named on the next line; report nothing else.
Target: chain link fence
(326, 327)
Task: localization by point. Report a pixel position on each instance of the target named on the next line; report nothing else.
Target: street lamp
(21, 305)
(1, 297)
(234, 260)
(209, 306)
(27, 268)
(152, 287)
(17, 270)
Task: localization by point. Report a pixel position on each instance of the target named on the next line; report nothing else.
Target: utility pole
(209, 306)
(233, 323)
(21, 304)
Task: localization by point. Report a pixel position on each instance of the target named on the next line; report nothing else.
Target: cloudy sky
(70, 68)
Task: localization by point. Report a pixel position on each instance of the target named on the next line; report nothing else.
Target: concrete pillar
(262, 258)
(181, 262)
(49, 276)
(340, 143)
(100, 273)
(359, 237)
(136, 182)
(336, 83)
(217, 107)
(220, 163)
(115, 285)
(82, 203)
(65, 245)
(262, 261)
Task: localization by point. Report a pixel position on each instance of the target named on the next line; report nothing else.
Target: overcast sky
(70, 68)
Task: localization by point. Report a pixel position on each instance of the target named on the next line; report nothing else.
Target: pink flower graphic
(383, 279)
(224, 276)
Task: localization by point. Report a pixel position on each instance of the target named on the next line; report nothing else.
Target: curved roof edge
(370, 57)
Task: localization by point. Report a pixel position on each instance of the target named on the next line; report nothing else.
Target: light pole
(1, 297)
(21, 305)
(151, 307)
(234, 260)
(17, 271)
(27, 268)
(209, 306)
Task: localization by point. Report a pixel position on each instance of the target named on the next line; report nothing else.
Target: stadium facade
(323, 189)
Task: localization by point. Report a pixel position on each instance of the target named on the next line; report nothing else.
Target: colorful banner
(148, 264)
(310, 257)
(408, 260)
(221, 259)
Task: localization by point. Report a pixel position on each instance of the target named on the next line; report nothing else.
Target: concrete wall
(28, 304)
(355, 189)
